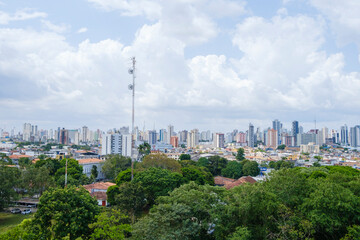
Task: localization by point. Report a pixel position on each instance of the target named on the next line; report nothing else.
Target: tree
(197, 174)
(144, 149)
(124, 176)
(131, 198)
(114, 164)
(203, 162)
(8, 181)
(233, 170)
(159, 161)
(331, 208)
(240, 154)
(71, 207)
(189, 212)
(111, 194)
(36, 180)
(74, 172)
(281, 147)
(251, 168)
(158, 182)
(353, 233)
(24, 161)
(241, 233)
(51, 164)
(216, 164)
(110, 224)
(94, 172)
(184, 156)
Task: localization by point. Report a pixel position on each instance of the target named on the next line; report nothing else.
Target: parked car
(26, 211)
(15, 210)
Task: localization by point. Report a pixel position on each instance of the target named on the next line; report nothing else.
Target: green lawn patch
(9, 220)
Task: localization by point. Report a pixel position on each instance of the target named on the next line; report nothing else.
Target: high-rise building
(183, 136)
(277, 125)
(116, 143)
(355, 136)
(170, 131)
(85, 134)
(162, 135)
(344, 135)
(219, 140)
(251, 136)
(174, 141)
(64, 136)
(193, 138)
(152, 137)
(272, 138)
(27, 131)
(295, 131)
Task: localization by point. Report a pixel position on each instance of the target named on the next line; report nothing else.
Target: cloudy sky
(206, 64)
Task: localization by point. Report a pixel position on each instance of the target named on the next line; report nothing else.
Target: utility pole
(132, 87)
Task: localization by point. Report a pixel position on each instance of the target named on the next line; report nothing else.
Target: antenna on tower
(132, 88)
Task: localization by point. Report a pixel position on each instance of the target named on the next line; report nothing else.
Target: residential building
(116, 143)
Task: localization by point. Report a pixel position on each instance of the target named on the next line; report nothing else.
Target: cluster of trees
(34, 178)
(294, 203)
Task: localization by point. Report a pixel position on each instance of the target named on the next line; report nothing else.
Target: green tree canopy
(159, 160)
(251, 168)
(184, 156)
(197, 174)
(111, 224)
(9, 177)
(131, 198)
(232, 170)
(216, 164)
(281, 147)
(158, 182)
(114, 164)
(71, 207)
(240, 154)
(187, 213)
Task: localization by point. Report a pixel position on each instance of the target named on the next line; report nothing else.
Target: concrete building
(272, 139)
(219, 140)
(295, 131)
(116, 144)
(251, 136)
(174, 141)
(309, 148)
(193, 138)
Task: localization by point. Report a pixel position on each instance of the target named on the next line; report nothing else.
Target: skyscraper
(152, 137)
(219, 140)
(277, 126)
(193, 138)
(251, 137)
(116, 144)
(295, 131)
(27, 131)
(344, 135)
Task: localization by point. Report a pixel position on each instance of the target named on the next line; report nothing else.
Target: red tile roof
(90, 160)
(229, 183)
(99, 185)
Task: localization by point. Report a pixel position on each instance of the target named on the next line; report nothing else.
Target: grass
(9, 220)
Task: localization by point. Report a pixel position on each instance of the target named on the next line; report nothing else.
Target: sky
(206, 64)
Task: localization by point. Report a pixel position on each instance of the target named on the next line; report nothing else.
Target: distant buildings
(310, 148)
(116, 143)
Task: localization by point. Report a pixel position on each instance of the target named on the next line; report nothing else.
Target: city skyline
(214, 64)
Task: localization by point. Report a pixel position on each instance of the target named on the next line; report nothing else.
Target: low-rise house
(88, 164)
(98, 190)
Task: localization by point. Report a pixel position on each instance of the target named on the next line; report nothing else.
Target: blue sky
(207, 64)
